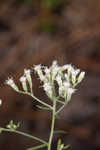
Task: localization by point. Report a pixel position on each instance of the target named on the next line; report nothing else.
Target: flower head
(66, 76)
(48, 89)
(27, 72)
(11, 83)
(47, 70)
(37, 68)
(59, 80)
(81, 76)
(54, 63)
(22, 79)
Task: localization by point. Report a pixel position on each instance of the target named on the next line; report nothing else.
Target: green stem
(60, 102)
(43, 103)
(37, 147)
(25, 134)
(52, 125)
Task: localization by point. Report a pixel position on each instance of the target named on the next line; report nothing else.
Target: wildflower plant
(66, 78)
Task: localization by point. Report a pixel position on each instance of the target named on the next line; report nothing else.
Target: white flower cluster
(67, 77)
(23, 79)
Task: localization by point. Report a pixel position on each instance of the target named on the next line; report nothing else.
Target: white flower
(43, 78)
(54, 63)
(61, 90)
(11, 83)
(67, 66)
(47, 70)
(76, 72)
(0, 101)
(22, 79)
(56, 69)
(47, 73)
(27, 72)
(48, 89)
(59, 80)
(66, 84)
(66, 77)
(70, 91)
(37, 68)
(81, 76)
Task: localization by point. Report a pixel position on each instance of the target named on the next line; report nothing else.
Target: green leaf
(59, 144)
(60, 132)
(44, 108)
(37, 147)
(66, 147)
(12, 126)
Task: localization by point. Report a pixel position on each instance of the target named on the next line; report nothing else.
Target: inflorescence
(67, 78)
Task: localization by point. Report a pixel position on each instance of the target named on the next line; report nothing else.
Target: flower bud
(81, 76)
(23, 81)
(27, 73)
(48, 89)
(59, 80)
(70, 91)
(11, 83)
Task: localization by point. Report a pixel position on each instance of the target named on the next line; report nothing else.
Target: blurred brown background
(39, 31)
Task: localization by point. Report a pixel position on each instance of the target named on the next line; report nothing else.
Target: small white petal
(47, 70)
(47, 86)
(37, 67)
(27, 71)
(67, 66)
(59, 80)
(10, 81)
(66, 84)
(54, 63)
(71, 91)
(56, 69)
(22, 79)
(81, 76)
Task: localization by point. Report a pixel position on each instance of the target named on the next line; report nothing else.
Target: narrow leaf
(66, 147)
(59, 144)
(60, 132)
(44, 108)
(37, 147)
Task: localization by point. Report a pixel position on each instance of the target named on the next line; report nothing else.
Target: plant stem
(52, 125)
(60, 109)
(40, 101)
(25, 134)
